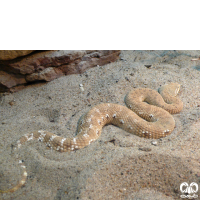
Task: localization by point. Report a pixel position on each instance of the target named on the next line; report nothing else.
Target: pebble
(81, 87)
(127, 79)
(12, 102)
(155, 143)
(145, 149)
(147, 66)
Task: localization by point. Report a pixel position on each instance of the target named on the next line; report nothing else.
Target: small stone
(145, 149)
(81, 87)
(127, 79)
(147, 66)
(155, 143)
(122, 190)
(12, 102)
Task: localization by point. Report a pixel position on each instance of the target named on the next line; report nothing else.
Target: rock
(7, 81)
(11, 54)
(47, 74)
(155, 143)
(48, 65)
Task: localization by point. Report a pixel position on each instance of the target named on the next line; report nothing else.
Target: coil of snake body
(148, 115)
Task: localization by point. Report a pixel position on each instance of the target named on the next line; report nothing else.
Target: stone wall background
(17, 70)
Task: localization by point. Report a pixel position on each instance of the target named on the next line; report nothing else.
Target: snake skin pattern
(147, 115)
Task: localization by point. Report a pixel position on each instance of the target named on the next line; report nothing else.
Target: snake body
(147, 115)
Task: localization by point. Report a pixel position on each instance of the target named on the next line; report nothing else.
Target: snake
(147, 115)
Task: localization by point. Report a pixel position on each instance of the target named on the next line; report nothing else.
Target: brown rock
(11, 54)
(47, 74)
(10, 80)
(48, 65)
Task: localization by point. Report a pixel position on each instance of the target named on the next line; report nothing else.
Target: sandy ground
(118, 165)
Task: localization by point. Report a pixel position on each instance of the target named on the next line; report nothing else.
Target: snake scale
(148, 115)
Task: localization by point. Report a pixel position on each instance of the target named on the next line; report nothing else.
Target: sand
(118, 165)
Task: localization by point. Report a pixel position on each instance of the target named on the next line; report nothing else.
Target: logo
(189, 190)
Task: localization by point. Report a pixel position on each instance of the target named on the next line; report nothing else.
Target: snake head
(171, 89)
